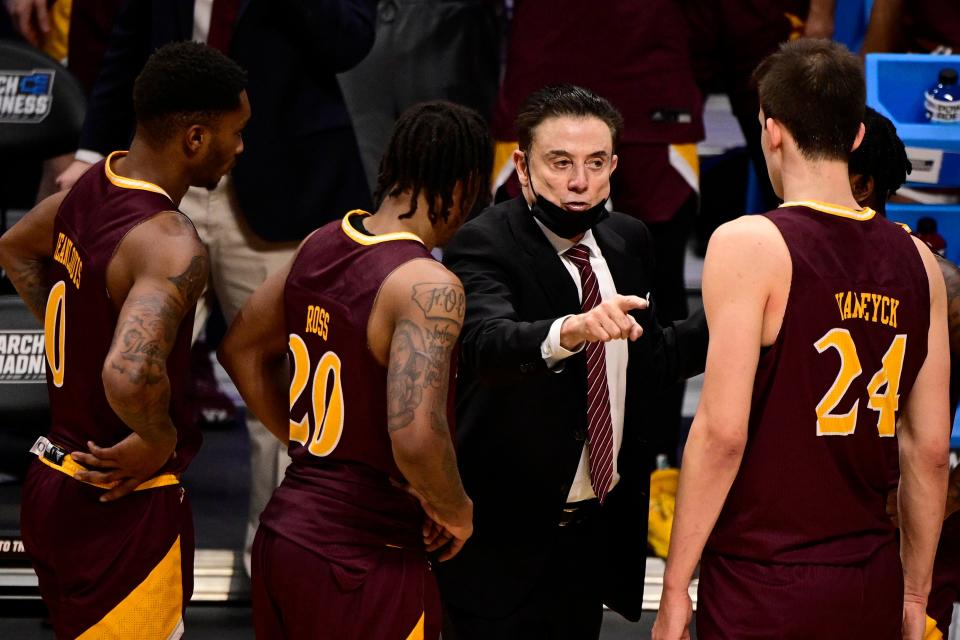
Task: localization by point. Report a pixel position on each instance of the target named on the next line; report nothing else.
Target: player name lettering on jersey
(318, 321)
(67, 255)
(872, 307)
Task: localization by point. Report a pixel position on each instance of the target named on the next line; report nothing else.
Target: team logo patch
(25, 96)
(21, 357)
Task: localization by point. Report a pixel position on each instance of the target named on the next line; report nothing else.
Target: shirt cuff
(88, 156)
(551, 350)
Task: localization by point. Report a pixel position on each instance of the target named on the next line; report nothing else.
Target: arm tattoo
(31, 283)
(405, 375)
(420, 355)
(146, 338)
(191, 282)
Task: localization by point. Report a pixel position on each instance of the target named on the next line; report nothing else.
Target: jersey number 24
(885, 402)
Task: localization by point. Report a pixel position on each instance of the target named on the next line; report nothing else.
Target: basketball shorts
(120, 570)
(748, 601)
(387, 594)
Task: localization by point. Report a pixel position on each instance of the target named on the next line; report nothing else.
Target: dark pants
(744, 600)
(670, 298)
(564, 604)
(387, 594)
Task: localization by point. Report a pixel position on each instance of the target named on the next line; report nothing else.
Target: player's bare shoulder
(750, 240)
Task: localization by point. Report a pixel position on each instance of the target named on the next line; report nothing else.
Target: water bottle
(942, 101)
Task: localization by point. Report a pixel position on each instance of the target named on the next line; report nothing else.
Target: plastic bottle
(942, 101)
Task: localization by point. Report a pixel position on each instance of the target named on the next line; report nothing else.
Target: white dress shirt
(615, 351)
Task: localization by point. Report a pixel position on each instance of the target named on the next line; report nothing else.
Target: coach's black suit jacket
(300, 167)
(521, 427)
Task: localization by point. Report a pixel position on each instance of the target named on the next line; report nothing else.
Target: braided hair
(881, 155)
(434, 146)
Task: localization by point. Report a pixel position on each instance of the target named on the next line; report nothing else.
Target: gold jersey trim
(361, 238)
(833, 209)
(130, 183)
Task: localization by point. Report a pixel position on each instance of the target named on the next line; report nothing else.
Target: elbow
(725, 440)
(134, 385)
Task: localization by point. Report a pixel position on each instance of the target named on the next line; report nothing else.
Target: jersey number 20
(885, 403)
(327, 413)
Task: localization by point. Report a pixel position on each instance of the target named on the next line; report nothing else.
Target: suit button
(526, 367)
(580, 435)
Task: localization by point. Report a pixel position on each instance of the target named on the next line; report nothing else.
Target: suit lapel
(544, 263)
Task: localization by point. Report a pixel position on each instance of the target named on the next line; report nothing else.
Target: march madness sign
(25, 96)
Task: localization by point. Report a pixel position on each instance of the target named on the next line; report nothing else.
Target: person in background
(878, 167)
(424, 50)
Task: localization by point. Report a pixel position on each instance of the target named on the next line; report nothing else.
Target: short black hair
(434, 146)
(816, 89)
(881, 155)
(564, 100)
(183, 83)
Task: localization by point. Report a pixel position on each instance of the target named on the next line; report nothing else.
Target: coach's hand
(71, 174)
(31, 19)
(673, 619)
(609, 320)
(126, 464)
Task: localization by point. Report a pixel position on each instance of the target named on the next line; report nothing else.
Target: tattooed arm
(421, 308)
(156, 276)
(26, 250)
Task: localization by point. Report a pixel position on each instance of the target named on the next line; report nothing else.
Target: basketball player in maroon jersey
(825, 321)
(371, 323)
(113, 270)
(878, 167)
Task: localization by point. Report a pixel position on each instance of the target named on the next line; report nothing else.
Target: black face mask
(566, 224)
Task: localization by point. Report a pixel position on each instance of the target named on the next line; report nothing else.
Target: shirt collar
(560, 245)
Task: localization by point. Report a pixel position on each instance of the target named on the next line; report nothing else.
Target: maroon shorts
(116, 569)
(388, 593)
(748, 600)
(946, 575)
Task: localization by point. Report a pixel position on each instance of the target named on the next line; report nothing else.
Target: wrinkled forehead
(576, 136)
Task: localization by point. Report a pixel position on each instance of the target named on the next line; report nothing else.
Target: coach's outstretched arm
(424, 304)
(156, 276)
(26, 250)
(254, 353)
(923, 436)
(743, 259)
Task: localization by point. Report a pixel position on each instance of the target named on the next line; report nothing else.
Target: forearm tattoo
(420, 355)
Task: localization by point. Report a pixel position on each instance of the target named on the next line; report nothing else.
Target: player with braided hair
(370, 321)
(878, 167)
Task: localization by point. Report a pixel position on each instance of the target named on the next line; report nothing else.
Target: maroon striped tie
(600, 426)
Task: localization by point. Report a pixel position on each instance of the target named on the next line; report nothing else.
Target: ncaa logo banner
(25, 96)
(22, 357)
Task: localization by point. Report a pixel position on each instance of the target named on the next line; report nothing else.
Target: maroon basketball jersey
(80, 316)
(933, 23)
(822, 443)
(338, 490)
